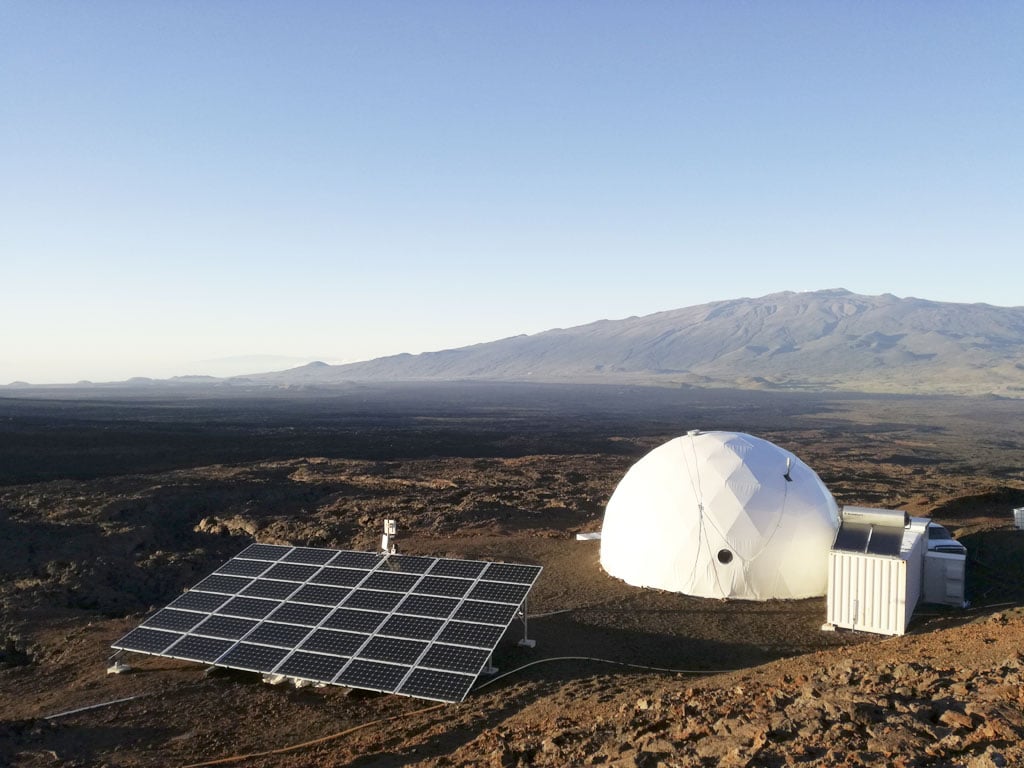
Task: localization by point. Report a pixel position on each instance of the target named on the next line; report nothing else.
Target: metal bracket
(525, 641)
(489, 668)
(115, 666)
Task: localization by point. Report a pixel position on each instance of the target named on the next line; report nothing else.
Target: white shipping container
(1018, 518)
(875, 593)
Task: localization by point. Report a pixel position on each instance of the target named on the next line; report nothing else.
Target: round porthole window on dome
(724, 556)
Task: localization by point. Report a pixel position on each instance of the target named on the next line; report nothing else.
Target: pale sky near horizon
(186, 183)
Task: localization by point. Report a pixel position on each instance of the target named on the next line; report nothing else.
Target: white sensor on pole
(387, 543)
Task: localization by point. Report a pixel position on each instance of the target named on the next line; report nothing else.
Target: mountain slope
(829, 339)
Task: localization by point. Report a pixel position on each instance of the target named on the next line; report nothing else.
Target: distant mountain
(824, 340)
(241, 365)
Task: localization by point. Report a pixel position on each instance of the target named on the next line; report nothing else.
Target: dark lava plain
(114, 501)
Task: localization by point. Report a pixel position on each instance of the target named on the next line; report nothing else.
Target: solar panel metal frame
(406, 624)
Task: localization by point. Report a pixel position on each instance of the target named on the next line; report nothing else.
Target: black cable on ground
(95, 706)
(604, 661)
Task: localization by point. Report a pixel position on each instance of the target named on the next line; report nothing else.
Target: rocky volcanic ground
(737, 684)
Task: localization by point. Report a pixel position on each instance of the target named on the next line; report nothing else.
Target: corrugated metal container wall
(914, 555)
(1018, 518)
(870, 592)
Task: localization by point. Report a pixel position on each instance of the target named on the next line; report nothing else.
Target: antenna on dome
(387, 541)
(789, 465)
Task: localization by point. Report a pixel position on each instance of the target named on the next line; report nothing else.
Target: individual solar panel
(143, 640)
(394, 649)
(312, 666)
(300, 613)
(355, 621)
(486, 613)
(225, 585)
(228, 627)
(886, 540)
(394, 582)
(254, 658)
(464, 633)
(238, 567)
(418, 626)
(320, 594)
(283, 635)
(364, 560)
(466, 569)
(441, 585)
(339, 577)
(372, 600)
(440, 686)
(177, 621)
(272, 590)
(455, 658)
(290, 572)
(519, 574)
(309, 555)
(374, 675)
(194, 648)
(408, 563)
(498, 592)
(247, 607)
(334, 642)
(852, 537)
(199, 601)
(425, 605)
(264, 552)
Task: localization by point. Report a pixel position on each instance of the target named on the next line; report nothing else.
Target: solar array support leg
(115, 666)
(525, 641)
(489, 668)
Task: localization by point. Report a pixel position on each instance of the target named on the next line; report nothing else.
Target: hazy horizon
(241, 365)
(190, 183)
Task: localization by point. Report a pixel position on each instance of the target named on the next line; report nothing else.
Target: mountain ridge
(823, 340)
(826, 340)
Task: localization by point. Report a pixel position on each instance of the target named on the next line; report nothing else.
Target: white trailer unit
(945, 578)
(875, 571)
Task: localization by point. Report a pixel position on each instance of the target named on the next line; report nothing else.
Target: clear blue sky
(182, 182)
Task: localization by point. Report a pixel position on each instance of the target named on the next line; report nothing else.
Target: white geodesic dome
(721, 514)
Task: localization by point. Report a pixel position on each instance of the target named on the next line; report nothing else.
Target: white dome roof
(721, 514)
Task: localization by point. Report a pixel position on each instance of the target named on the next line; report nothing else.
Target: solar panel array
(417, 626)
